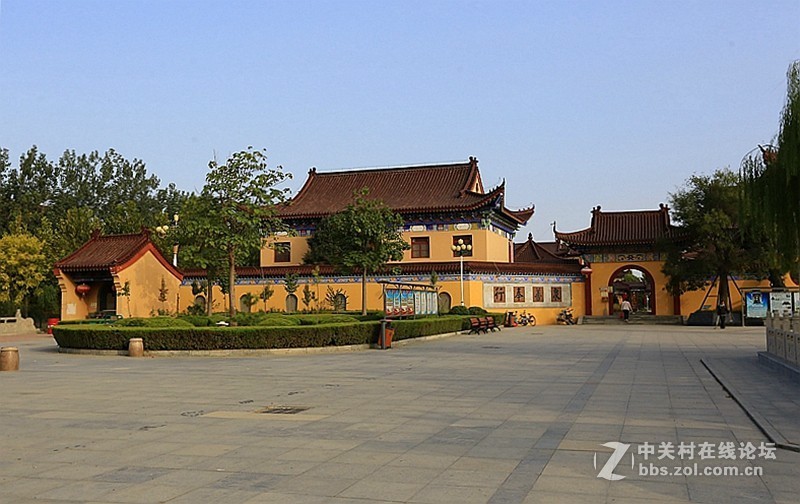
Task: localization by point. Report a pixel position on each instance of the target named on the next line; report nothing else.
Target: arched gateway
(635, 284)
(624, 262)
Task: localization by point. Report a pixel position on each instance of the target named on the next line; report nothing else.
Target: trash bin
(387, 333)
(50, 323)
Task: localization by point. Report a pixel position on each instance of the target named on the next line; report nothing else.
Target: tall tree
(241, 199)
(710, 242)
(363, 237)
(27, 191)
(771, 189)
(196, 251)
(22, 266)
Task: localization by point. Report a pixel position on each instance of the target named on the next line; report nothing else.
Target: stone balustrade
(782, 338)
(16, 325)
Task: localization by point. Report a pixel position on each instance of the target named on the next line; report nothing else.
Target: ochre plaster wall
(473, 296)
(486, 246)
(601, 276)
(73, 307)
(691, 301)
(299, 247)
(144, 277)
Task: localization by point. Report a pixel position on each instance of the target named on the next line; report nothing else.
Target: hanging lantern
(82, 289)
(586, 270)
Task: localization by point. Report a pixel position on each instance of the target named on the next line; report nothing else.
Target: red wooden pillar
(587, 273)
(676, 305)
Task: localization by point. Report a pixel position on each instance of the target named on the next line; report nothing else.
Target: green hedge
(415, 328)
(227, 338)
(153, 322)
(216, 338)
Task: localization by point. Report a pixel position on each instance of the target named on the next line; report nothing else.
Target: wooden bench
(491, 325)
(475, 325)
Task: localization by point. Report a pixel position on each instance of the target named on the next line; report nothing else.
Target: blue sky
(574, 103)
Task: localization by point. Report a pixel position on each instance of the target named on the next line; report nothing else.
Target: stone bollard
(136, 347)
(9, 359)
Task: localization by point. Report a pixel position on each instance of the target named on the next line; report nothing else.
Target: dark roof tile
(640, 227)
(409, 189)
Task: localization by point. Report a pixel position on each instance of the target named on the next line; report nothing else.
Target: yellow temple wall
(73, 307)
(487, 245)
(691, 301)
(601, 277)
(144, 277)
(298, 245)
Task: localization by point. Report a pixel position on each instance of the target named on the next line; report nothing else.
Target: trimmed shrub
(217, 338)
(197, 320)
(153, 322)
(477, 310)
(278, 321)
(459, 310)
(325, 318)
(416, 328)
(103, 337)
(87, 322)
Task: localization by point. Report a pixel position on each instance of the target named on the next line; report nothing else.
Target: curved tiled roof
(103, 252)
(537, 253)
(409, 189)
(639, 227)
(111, 252)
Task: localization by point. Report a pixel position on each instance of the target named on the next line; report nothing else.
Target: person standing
(626, 309)
(722, 313)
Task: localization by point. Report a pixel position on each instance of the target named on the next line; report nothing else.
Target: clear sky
(574, 103)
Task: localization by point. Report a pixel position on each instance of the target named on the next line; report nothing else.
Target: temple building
(117, 274)
(590, 270)
(441, 205)
(621, 249)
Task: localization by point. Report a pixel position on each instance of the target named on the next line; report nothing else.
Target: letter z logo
(607, 472)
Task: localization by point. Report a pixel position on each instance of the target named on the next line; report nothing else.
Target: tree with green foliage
(308, 297)
(265, 294)
(195, 250)
(240, 198)
(125, 292)
(709, 241)
(23, 266)
(771, 188)
(290, 283)
(363, 237)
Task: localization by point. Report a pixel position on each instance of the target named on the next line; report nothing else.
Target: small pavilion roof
(406, 190)
(637, 227)
(111, 252)
(533, 252)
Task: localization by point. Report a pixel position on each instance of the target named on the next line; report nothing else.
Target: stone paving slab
(771, 395)
(518, 416)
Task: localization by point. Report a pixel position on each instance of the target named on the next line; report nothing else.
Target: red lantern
(82, 289)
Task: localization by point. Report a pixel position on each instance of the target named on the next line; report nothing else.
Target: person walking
(722, 313)
(626, 309)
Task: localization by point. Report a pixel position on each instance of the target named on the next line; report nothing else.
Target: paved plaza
(512, 417)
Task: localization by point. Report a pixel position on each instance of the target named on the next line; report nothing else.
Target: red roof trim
(112, 253)
(128, 245)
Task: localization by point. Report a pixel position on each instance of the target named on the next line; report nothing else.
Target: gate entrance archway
(635, 284)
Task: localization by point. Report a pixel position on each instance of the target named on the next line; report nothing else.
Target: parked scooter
(526, 319)
(565, 317)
